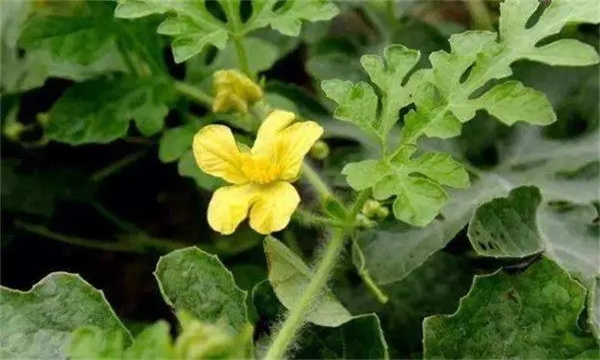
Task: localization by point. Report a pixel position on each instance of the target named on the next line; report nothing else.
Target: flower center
(260, 170)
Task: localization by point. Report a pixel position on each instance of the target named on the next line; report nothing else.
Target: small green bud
(370, 208)
(13, 130)
(320, 150)
(364, 222)
(43, 119)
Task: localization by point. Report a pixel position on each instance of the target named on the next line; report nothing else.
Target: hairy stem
(194, 93)
(297, 315)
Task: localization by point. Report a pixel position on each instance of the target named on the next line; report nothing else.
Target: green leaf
(197, 282)
(91, 342)
(99, 111)
(511, 102)
(416, 183)
(289, 276)
(422, 294)
(530, 160)
(188, 167)
(389, 77)
(363, 332)
(81, 39)
(190, 24)
(515, 302)
(565, 52)
(506, 227)
(38, 323)
(261, 55)
(175, 142)
(288, 18)
(357, 103)
(154, 342)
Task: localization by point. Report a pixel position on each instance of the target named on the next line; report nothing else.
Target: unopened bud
(234, 91)
(383, 212)
(370, 208)
(200, 340)
(364, 222)
(320, 150)
(43, 119)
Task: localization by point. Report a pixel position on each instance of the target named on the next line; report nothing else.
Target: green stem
(312, 177)
(77, 241)
(120, 223)
(296, 316)
(480, 14)
(194, 93)
(366, 277)
(118, 165)
(242, 56)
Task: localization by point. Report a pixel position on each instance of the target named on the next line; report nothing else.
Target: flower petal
(217, 154)
(276, 121)
(293, 144)
(274, 207)
(229, 206)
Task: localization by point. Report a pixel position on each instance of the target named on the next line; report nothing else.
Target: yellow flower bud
(320, 150)
(234, 91)
(13, 130)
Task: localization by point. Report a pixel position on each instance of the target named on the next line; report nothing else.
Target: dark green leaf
(530, 315)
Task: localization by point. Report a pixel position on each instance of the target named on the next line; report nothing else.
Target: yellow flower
(260, 176)
(234, 91)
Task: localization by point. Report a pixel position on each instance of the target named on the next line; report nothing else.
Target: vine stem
(194, 93)
(242, 56)
(312, 177)
(297, 314)
(118, 165)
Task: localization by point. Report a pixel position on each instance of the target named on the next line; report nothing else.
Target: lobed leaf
(416, 183)
(38, 323)
(514, 301)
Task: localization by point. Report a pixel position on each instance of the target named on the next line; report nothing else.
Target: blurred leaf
(290, 276)
(287, 19)
(188, 167)
(81, 39)
(38, 323)
(175, 142)
(515, 302)
(91, 342)
(154, 342)
(261, 56)
(99, 111)
(39, 191)
(194, 281)
(363, 332)
(192, 25)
